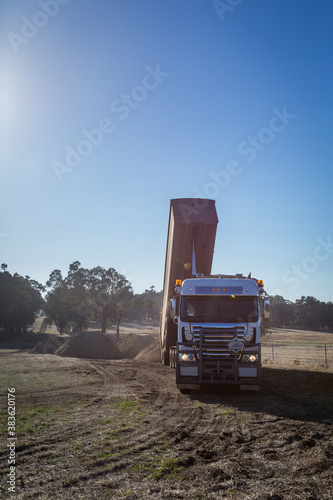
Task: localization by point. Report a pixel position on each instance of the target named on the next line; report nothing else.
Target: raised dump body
(190, 248)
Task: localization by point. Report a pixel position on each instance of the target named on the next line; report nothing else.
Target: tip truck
(210, 324)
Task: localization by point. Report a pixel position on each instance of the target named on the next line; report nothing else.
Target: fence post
(273, 353)
(326, 364)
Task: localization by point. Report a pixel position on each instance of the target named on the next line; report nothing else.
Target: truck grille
(215, 340)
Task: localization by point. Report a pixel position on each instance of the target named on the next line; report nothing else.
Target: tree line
(306, 313)
(72, 302)
(20, 301)
(107, 298)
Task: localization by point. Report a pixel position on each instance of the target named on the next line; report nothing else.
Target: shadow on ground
(294, 394)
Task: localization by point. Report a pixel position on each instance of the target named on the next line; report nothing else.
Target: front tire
(169, 340)
(173, 356)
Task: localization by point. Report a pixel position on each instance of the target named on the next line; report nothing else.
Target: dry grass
(290, 336)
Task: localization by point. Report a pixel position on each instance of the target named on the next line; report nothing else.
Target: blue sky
(111, 108)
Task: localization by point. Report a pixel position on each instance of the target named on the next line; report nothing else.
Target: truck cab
(218, 331)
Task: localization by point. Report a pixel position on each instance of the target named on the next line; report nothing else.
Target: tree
(136, 309)
(282, 311)
(20, 301)
(64, 301)
(308, 312)
(62, 307)
(152, 302)
(328, 315)
(122, 300)
(55, 279)
(77, 276)
(111, 294)
(100, 294)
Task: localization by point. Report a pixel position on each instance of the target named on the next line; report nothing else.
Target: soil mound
(132, 344)
(151, 353)
(89, 344)
(49, 346)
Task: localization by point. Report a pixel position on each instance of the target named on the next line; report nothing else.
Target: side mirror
(173, 309)
(266, 308)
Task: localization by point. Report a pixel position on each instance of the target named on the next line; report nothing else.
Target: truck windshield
(226, 309)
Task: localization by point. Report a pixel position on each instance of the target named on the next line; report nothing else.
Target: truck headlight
(252, 358)
(187, 357)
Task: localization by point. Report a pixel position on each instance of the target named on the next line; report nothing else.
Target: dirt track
(121, 429)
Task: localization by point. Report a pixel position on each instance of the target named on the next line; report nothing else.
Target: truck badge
(236, 346)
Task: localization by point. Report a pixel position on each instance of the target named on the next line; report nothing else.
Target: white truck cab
(218, 338)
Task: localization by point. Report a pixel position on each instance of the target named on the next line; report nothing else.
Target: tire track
(113, 384)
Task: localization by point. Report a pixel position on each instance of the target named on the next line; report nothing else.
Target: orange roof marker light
(260, 283)
(178, 282)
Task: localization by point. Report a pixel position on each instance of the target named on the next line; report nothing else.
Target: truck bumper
(230, 370)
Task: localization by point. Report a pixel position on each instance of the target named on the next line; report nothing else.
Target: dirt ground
(114, 429)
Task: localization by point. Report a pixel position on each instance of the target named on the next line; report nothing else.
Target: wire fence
(321, 355)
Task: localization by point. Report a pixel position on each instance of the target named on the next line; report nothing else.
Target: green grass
(36, 419)
(155, 468)
(169, 468)
(128, 415)
(227, 411)
(144, 467)
(131, 407)
(104, 454)
(117, 442)
(29, 420)
(120, 433)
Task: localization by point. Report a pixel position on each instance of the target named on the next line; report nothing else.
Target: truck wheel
(173, 354)
(166, 350)
(170, 336)
(165, 358)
